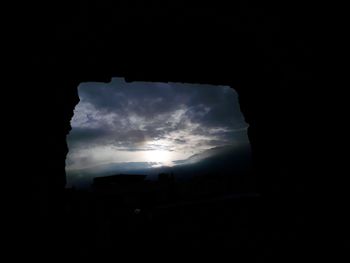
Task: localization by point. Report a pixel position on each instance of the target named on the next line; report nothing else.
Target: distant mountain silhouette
(219, 160)
(231, 159)
(216, 152)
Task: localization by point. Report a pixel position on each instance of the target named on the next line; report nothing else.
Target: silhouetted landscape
(130, 213)
(234, 161)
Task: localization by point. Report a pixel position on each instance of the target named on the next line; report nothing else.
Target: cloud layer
(123, 122)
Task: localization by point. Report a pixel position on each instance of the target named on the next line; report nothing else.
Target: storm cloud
(121, 122)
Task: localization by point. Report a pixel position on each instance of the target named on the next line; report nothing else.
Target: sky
(155, 124)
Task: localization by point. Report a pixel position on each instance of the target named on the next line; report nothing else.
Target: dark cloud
(181, 141)
(91, 135)
(150, 99)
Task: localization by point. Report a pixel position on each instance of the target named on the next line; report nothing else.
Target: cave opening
(193, 135)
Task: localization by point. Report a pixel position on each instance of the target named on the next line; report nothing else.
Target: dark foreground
(244, 227)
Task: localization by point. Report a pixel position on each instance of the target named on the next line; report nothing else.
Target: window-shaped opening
(139, 136)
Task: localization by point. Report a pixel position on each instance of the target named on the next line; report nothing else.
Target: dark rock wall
(264, 52)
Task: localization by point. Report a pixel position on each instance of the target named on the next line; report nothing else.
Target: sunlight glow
(158, 156)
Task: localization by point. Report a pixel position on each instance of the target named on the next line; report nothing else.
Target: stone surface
(263, 52)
